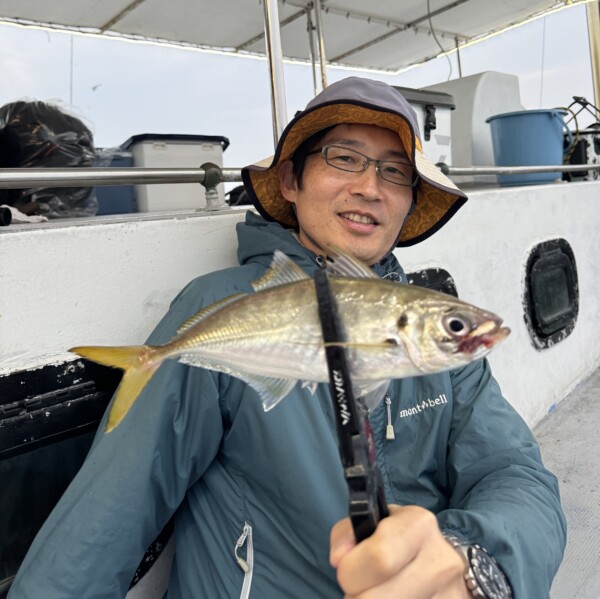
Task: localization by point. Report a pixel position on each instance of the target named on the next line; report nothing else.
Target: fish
(272, 338)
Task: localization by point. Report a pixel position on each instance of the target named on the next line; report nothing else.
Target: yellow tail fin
(139, 363)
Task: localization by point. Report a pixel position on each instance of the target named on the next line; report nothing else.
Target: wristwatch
(484, 578)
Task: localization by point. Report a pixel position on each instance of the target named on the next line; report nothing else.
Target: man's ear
(287, 181)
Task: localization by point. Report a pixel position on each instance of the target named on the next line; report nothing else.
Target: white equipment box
(175, 151)
(433, 116)
(478, 97)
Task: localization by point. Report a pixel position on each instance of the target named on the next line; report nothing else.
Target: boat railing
(78, 177)
(514, 170)
(11, 178)
(210, 175)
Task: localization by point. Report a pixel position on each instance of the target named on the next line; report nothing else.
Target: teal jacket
(254, 495)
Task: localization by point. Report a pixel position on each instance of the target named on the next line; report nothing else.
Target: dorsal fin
(282, 270)
(194, 320)
(341, 264)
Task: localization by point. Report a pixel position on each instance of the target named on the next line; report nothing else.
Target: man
(259, 499)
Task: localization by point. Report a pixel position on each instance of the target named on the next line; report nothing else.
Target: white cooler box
(433, 115)
(174, 151)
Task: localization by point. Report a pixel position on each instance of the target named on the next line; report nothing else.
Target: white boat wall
(108, 280)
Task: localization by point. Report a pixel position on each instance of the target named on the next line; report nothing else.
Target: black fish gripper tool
(367, 503)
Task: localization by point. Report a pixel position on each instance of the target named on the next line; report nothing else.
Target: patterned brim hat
(358, 101)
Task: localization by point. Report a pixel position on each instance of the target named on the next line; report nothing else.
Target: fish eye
(457, 325)
(402, 321)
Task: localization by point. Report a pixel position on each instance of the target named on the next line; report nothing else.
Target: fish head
(442, 332)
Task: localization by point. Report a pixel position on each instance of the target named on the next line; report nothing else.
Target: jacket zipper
(389, 429)
(247, 565)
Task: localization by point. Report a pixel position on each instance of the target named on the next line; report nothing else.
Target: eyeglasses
(351, 161)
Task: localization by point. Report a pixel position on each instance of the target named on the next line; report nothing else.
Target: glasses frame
(324, 150)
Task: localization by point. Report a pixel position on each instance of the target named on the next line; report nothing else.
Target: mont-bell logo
(426, 404)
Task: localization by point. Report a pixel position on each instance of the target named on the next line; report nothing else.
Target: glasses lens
(397, 172)
(349, 160)
(344, 159)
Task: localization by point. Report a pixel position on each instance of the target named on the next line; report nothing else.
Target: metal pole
(321, 43)
(275, 58)
(593, 19)
(515, 170)
(24, 178)
(458, 57)
(311, 46)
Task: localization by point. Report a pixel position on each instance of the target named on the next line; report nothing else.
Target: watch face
(488, 575)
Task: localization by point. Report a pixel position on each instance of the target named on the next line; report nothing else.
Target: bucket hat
(356, 100)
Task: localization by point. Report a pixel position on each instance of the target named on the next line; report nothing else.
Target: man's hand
(406, 557)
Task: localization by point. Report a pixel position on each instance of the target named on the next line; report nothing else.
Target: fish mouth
(362, 218)
(484, 339)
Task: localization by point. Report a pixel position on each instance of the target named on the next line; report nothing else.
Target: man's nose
(367, 182)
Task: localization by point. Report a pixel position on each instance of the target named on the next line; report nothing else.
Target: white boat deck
(569, 441)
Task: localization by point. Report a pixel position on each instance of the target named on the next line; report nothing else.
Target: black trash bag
(238, 196)
(34, 134)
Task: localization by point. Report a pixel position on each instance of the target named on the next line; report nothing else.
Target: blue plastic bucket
(529, 138)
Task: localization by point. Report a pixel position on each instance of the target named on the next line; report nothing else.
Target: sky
(120, 89)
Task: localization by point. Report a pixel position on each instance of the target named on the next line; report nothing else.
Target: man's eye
(344, 159)
(396, 172)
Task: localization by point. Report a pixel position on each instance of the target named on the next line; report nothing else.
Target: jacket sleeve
(132, 481)
(502, 497)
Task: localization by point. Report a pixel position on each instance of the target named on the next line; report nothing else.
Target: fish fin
(139, 366)
(198, 317)
(370, 394)
(310, 385)
(283, 270)
(341, 264)
(271, 390)
(198, 361)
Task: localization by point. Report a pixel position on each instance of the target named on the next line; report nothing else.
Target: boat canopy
(386, 35)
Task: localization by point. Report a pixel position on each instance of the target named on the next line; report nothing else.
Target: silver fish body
(272, 338)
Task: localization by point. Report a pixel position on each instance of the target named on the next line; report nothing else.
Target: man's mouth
(359, 218)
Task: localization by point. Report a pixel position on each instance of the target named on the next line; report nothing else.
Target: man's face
(358, 212)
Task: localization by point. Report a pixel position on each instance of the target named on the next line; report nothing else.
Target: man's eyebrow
(359, 144)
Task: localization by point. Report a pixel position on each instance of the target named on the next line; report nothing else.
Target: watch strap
(473, 585)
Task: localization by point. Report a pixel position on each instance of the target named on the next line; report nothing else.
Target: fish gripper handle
(367, 503)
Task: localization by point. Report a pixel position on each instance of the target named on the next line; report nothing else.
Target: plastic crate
(174, 151)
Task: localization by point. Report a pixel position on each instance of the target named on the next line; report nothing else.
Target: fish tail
(139, 363)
